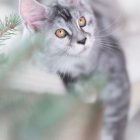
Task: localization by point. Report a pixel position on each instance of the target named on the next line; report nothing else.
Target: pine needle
(8, 27)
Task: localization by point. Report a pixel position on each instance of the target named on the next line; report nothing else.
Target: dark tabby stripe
(62, 12)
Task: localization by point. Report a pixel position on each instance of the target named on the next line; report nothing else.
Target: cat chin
(84, 52)
(80, 53)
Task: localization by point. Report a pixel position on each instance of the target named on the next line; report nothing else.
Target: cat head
(69, 25)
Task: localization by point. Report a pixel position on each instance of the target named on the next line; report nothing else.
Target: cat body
(80, 46)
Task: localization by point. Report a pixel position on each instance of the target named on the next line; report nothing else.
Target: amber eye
(61, 33)
(82, 22)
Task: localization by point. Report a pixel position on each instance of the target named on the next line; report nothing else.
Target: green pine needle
(8, 27)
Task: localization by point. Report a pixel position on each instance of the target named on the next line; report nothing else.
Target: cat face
(69, 26)
(72, 31)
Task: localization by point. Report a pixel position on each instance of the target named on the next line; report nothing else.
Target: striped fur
(105, 57)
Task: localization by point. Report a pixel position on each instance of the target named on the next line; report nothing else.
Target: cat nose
(83, 41)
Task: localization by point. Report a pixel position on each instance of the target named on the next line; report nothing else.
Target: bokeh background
(28, 113)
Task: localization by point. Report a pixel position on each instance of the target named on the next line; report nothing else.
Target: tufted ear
(71, 2)
(33, 14)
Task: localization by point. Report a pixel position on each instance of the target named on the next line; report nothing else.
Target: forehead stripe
(63, 12)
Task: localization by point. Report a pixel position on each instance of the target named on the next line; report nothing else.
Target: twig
(8, 27)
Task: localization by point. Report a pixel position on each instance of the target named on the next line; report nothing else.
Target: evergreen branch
(8, 27)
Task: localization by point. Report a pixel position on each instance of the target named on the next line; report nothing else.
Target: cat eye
(61, 33)
(82, 22)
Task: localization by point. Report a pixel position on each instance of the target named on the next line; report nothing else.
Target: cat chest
(73, 66)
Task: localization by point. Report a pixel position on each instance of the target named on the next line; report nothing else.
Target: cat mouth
(80, 53)
(83, 51)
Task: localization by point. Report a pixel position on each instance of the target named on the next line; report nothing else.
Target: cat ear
(33, 14)
(71, 2)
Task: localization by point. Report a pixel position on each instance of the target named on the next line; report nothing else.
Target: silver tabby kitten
(81, 45)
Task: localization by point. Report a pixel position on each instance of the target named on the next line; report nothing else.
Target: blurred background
(28, 113)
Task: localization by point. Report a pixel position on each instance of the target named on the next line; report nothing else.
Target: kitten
(81, 45)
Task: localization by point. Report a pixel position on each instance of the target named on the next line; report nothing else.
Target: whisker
(111, 26)
(107, 41)
(106, 34)
(110, 44)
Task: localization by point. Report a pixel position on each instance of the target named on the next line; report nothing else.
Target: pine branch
(8, 27)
